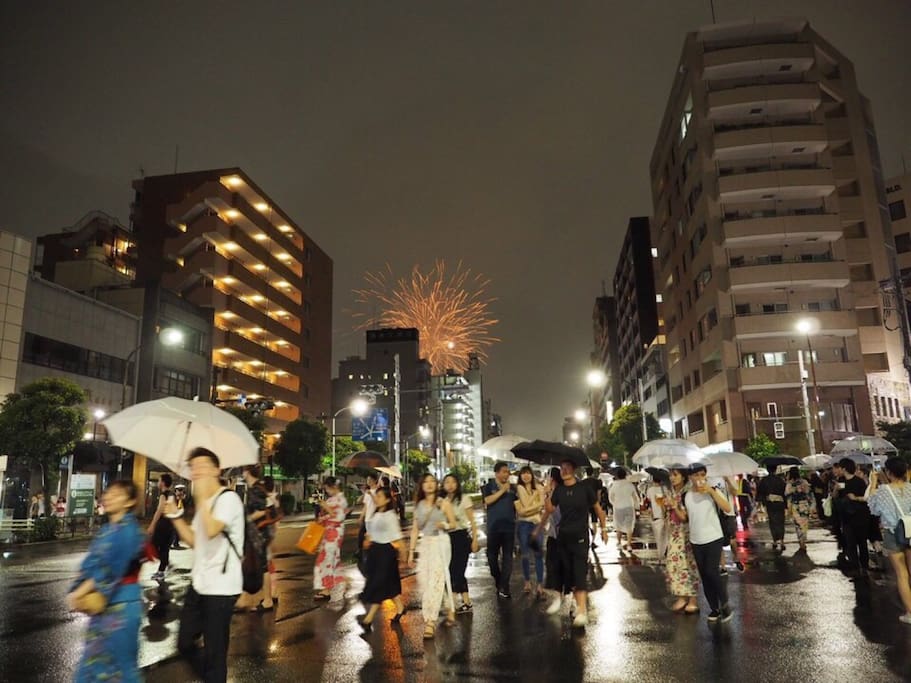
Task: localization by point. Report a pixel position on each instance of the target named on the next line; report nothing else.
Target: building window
(773, 358)
(50, 353)
(897, 210)
(875, 404)
(175, 383)
(772, 409)
(686, 117)
(695, 422)
(903, 243)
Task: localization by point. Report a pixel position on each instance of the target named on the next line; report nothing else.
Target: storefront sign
(81, 501)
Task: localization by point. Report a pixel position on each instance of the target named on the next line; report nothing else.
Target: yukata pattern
(682, 573)
(327, 574)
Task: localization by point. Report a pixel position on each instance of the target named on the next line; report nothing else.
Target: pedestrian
(463, 539)
(327, 574)
(891, 501)
(818, 488)
(682, 572)
(656, 496)
(270, 524)
(161, 529)
(700, 508)
(381, 559)
(744, 500)
(598, 487)
(625, 500)
(180, 497)
(111, 567)
(433, 517)
(217, 538)
(575, 501)
(771, 492)
(367, 510)
(529, 505)
(728, 520)
(550, 525)
(799, 497)
(499, 500)
(855, 519)
(257, 509)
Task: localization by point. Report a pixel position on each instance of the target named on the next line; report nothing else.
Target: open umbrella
(858, 458)
(661, 452)
(392, 471)
(365, 459)
(817, 461)
(774, 461)
(167, 429)
(500, 447)
(729, 464)
(659, 474)
(550, 453)
(872, 445)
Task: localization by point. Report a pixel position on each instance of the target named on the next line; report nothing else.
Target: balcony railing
(765, 168)
(802, 258)
(722, 127)
(774, 213)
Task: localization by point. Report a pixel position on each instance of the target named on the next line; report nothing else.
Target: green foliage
(286, 500)
(467, 474)
(416, 465)
(376, 446)
(761, 447)
(255, 422)
(899, 434)
(301, 447)
(44, 529)
(623, 436)
(43, 423)
(344, 446)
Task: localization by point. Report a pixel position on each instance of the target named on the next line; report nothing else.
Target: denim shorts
(890, 545)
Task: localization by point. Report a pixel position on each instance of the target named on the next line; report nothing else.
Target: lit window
(686, 117)
(350, 376)
(659, 298)
(654, 252)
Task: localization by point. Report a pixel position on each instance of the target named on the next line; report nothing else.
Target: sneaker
(740, 566)
(726, 613)
(724, 571)
(581, 621)
(555, 605)
(571, 605)
(464, 607)
(714, 616)
(503, 594)
(905, 618)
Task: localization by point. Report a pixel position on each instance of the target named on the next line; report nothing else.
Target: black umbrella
(659, 474)
(774, 461)
(550, 453)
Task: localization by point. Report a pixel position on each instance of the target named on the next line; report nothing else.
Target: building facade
(605, 357)
(770, 223)
(219, 241)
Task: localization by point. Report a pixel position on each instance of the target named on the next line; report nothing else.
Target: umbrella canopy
(662, 452)
(366, 459)
(167, 429)
(637, 476)
(729, 464)
(659, 474)
(500, 447)
(774, 461)
(550, 453)
(858, 458)
(817, 461)
(392, 471)
(874, 445)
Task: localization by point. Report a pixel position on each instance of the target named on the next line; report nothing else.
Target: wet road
(796, 619)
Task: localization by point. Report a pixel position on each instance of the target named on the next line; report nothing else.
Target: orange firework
(450, 311)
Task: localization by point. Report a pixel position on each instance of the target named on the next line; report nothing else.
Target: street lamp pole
(806, 403)
(357, 408)
(806, 327)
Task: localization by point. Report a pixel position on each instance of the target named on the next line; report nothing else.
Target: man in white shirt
(217, 577)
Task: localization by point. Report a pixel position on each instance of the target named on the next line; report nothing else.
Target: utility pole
(806, 403)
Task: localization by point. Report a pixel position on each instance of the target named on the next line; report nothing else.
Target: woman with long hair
(327, 574)
(381, 559)
(529, 506)
(433, 517)
(799, 497)
(682, 572)
(111, 568)
(463, 537)
(890, 502)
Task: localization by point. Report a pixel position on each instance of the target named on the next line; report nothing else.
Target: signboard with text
(81, 501)
(374, 426)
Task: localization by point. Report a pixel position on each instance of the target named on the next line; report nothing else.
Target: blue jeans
(525, 532)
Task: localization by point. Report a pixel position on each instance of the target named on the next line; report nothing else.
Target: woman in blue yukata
(112, 568)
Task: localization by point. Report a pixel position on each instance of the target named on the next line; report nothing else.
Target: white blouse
(383, 527)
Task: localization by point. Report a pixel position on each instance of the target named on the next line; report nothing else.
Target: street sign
(81, 502)
(779, 429)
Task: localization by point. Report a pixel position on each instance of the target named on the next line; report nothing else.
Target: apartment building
(898, 198)
(219, 241)
(771, 226)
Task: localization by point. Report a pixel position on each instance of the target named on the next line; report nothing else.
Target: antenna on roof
(712, 5)
(176, 157)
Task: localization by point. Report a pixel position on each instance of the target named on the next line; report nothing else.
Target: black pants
(776, 520)
(746, 508)
(708, 558)
(501, 542)
(854, 530)
(458, 563)
(210, 617)
(162, 543)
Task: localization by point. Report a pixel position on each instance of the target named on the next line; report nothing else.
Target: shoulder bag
(903, 528)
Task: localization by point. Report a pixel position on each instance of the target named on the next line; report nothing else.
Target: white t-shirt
(369, 504)
(383, 527)
(622, 494)
(654, 492)
(209, 553)
(705, 526)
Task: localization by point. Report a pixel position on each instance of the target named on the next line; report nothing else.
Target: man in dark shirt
(771, 493)
(855, 518)
(500, 502)
(575, 500)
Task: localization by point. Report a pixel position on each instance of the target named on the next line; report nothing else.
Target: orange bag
(310, 539)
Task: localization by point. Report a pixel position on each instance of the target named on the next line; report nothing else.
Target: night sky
(514, 136)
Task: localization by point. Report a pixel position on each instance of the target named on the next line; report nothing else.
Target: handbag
(92, 603)
(903, 528)
(827, 506)
(309, 540)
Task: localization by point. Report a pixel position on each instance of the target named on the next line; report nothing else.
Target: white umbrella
(167, 430)
(816, 461)
(500, 447)
(729, 464)
(872, 445)
(664, 452)
(392, 470)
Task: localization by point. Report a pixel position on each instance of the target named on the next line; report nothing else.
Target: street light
(596, 378)
(358, 408)
(574, 437)
(580, 415)
(806, 327)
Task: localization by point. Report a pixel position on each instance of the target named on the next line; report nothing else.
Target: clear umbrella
(500, 447)
(872, 445)
(729, 464)
(816, 461)
(662, 452)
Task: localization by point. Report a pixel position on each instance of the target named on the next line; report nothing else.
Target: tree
(344, 446)
(416, 465)
(761, 447)
(253, 420)
(43, 423)
(300, 449)
(466, 473)
(899, 435)
(626, 428)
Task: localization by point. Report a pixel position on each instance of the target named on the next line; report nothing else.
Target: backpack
(253, 559)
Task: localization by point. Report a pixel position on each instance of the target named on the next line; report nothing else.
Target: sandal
(678, 606)
(429, 631)
(691, 609)
(398, 616)
(322, 596)
(464, 607)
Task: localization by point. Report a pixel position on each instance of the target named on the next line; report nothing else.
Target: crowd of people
(553, 524)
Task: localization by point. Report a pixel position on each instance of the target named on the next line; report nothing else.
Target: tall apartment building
(217, 239)
(898, 197)
(769, 212)
(605, 357)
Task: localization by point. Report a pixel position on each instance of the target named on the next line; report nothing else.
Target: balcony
(770, 325)
(844, 169)
(770, 141)
(757, 60)
(788, 375)
(759, 228)
(781, 184)
(780, 98)
(793, 275)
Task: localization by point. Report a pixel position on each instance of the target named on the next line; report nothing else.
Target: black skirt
(554, 580)
(382, 572)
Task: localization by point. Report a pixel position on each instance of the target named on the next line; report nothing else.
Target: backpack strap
(224, 533)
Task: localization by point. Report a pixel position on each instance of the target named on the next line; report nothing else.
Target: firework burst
(451, 311)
